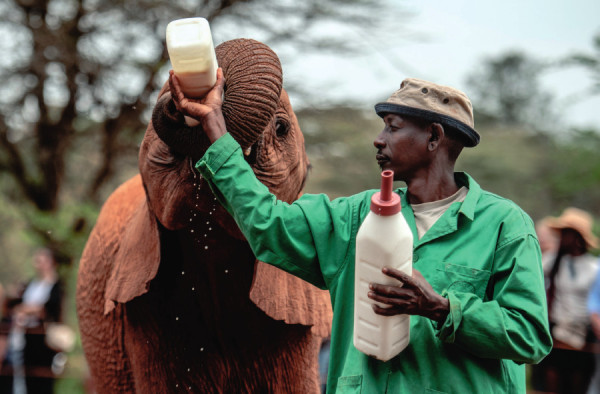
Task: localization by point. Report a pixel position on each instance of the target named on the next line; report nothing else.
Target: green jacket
(482, 254)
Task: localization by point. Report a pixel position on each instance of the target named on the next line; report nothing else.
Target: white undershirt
(37, 292)
(427, 213)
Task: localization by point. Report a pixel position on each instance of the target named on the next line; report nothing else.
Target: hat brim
(471, 137)
(557, 224)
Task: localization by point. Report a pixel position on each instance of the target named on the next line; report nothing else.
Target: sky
(455, 38)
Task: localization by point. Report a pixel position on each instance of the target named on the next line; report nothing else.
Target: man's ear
(436, 135)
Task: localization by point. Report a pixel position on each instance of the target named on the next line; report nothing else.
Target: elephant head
(258, 115)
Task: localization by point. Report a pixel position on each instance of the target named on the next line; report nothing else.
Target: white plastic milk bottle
(192, 55)
(384, 239)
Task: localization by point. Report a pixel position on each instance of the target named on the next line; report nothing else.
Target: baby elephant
(170, 297)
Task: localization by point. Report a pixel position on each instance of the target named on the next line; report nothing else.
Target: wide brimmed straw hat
(435, 103)
(578, 220)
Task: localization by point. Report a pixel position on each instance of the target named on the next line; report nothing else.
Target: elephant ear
(131, 236)
(285, 297)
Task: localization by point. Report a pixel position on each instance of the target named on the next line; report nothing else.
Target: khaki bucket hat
(436, 103)
(578, 220)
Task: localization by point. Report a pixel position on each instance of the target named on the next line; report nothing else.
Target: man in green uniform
(477, 295)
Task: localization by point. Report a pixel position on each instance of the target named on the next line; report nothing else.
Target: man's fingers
(215, 95)
(220, 78)
(390, 290)
(176, 92)
(397, 274)
(385, 311)
(388, 294)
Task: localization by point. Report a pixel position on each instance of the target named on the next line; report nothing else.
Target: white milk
(384, 239)
(192, 55)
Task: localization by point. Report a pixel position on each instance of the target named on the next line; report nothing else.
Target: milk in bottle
(192, 55)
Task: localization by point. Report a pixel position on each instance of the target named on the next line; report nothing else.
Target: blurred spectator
(594, 310)
(27, 360)
(324, 363)
(548, 238)
(570, 272)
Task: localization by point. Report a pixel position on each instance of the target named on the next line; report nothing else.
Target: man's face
(571, 242)
(402, 147)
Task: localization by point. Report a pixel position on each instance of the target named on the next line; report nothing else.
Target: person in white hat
(570, 273)
(476, 297)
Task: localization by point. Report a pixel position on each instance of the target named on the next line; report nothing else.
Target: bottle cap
(385, 202)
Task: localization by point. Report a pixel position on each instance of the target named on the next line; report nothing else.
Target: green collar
(445, 225)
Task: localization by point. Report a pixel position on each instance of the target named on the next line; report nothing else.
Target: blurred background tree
(77, 83)
(591, 63)
(507, 89)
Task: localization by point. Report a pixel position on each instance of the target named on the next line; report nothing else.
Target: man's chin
(383, 165)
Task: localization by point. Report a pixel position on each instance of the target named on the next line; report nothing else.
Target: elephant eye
(282, 127)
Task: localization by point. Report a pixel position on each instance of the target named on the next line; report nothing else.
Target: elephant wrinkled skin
(169, 296)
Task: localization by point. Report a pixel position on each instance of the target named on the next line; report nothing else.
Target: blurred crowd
(32, 340)
(572, 282)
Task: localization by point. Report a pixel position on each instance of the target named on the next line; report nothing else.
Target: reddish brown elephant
(170, 297)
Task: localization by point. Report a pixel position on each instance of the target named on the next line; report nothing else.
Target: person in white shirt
(40, 302)
(570, 273)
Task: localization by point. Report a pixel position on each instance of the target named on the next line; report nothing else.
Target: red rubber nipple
(386, 202)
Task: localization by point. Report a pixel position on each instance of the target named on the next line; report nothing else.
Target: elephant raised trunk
(252, 92)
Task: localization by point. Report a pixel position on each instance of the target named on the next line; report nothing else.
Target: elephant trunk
(253, 83)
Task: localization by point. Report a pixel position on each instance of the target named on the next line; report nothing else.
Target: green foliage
(575, 175)
(339, 144)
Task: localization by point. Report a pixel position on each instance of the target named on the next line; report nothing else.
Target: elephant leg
(294, 361)
(170, 350)
(287, 364)
(101, 336)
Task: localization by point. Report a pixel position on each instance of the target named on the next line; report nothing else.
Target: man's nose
(379, 143)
